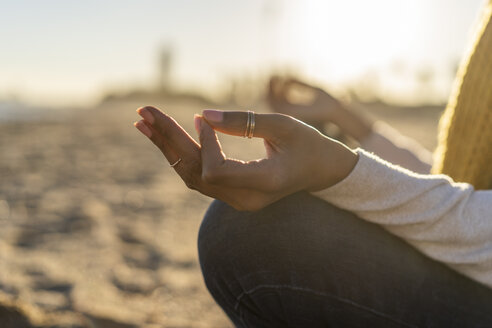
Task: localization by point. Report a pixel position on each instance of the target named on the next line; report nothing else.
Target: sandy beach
(97, 231)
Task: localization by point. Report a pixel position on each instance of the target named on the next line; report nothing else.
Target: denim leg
(302, 262)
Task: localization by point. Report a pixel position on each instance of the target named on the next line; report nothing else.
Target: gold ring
(250, 125)
(175, 163)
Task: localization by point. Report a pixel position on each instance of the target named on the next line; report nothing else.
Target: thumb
(212, 154)
(266, 126)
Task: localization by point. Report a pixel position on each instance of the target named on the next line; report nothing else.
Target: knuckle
(284, 125)
(191, 175)
(191, 185)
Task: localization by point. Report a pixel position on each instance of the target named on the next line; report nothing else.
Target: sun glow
(383, 42)
(343, 38)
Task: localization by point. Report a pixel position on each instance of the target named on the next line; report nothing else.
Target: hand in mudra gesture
(323, 107)
(298, 157)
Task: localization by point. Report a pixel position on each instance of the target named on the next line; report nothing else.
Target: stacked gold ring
(250, 125)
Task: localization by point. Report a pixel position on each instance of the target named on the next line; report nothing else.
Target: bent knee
(241, 250)
(247, 240)
(219, 233)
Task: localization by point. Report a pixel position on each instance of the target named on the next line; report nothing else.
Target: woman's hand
(322, 109)
(298, 156)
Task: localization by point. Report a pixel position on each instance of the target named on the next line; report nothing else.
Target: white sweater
(449, 222)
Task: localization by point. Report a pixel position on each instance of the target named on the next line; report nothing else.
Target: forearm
(383, 140)
(447, 221)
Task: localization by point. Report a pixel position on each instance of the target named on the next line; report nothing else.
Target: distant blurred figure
(165, 62)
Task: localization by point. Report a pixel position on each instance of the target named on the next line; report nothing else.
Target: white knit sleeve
(449, 222)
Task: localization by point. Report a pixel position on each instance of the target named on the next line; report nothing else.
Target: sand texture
(97, 231)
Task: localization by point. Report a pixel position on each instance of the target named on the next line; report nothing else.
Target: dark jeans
(302, 262)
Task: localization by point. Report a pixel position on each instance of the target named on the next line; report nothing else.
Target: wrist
(335, 164)
(346, 161)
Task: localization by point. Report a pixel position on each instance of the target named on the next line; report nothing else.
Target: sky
(58, 53)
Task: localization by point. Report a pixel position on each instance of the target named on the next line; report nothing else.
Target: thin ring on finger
(170, 154)
(175, 163)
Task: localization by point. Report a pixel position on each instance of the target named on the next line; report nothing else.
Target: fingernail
(146, 114)
(213, 115)
(198, 123)
(140, 125)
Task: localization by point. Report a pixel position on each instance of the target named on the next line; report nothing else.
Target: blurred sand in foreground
(97, 231)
